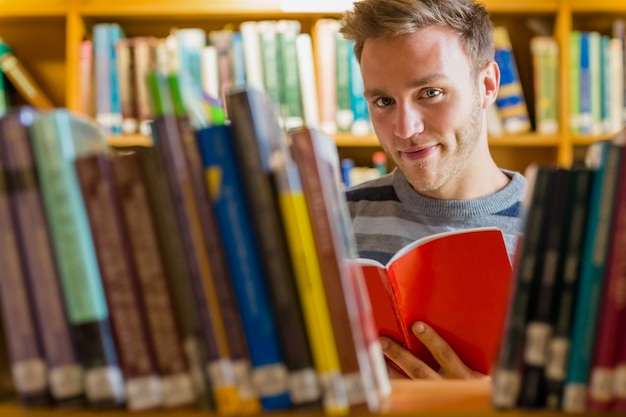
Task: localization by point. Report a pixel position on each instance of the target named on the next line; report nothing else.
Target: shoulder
(379, 189)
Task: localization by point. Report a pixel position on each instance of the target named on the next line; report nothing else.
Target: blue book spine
(591, 275)
(585, 85)
(245, 265)
(115, 34)
(102, 77)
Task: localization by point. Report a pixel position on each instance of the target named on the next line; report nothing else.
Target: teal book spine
(56, 139)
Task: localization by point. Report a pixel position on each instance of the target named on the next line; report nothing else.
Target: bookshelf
(45, 35)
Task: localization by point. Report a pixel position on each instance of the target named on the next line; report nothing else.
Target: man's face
(426, 107)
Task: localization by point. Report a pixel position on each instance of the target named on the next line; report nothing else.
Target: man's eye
(384, 101)
(430, 93)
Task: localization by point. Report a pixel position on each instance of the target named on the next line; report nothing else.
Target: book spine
(254, 116)
(116, 34)
(267, 30)
(143, 58)
(290, 90)
(66, 377)
(506, 374)
(567, 279)
(128, 322)
(103, 110)
(592, 266)
(344, 115)
(76, 259)
(21, 79)
(545, 54)
(28, 365)
(510, 101)
(585, 84)
(177, 270)
(324, 34)
(358, 104)
(125, 70)
(308, 83)
(575, 82)
(329, 253)
(162, 327)
(539, 326)
(84, 95)
(252, 52)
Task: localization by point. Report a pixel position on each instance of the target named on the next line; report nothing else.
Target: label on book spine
(601, 384)
(178, 390)
(270, 380)
(221, 373)
(619, 382)
(303, 386)
(537, 336)
(104, 383)
(507, 388)
(66, 381)
(558, 352)
(575, 397)
(335, 397)
(143, 393)
(29, 375)
(243, 381)
(357, 394)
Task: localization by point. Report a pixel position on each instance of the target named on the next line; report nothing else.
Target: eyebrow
(414, 84)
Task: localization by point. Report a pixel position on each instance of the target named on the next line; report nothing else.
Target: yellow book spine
(313, 299)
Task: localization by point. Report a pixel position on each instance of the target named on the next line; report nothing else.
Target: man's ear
(490, 78)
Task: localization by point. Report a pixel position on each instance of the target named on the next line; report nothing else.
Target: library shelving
(45, 35)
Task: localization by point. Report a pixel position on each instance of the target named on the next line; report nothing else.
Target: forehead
(432, 49)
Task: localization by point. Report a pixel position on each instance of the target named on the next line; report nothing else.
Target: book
(573, 236)
(39, 265)
(120, 282)
(510, 101)
(255, 122)
(57, 137)
(420, 282)
(507, 369)
(21, 79)
(28, 364)
(540, 316)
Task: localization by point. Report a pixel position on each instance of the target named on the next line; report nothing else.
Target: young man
(429, 74)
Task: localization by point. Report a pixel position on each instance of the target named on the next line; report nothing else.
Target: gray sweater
(387, 214)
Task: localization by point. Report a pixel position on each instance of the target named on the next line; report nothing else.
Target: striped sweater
(387, 214)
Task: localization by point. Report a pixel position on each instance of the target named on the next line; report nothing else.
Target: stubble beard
(426, 178)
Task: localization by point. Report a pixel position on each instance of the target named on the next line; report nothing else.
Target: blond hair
(387, 18)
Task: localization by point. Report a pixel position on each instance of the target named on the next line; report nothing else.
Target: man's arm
(451, 365)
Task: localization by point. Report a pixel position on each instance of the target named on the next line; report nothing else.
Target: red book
(457, 282)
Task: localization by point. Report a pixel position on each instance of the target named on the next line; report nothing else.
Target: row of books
(210, 268)
(564, 345)
(271, 55)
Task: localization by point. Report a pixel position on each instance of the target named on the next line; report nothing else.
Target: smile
(414, 154)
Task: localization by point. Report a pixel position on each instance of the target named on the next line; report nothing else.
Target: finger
(394, 373)
(412, 366)
(451, 364)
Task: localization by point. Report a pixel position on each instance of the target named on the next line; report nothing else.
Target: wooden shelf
(33, 8)
(416, 398)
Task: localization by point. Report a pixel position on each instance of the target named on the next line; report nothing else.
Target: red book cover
(457, 282)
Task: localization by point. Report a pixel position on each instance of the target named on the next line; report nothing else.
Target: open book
(457, 282)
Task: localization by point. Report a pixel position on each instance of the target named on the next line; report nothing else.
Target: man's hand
(451, 365)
